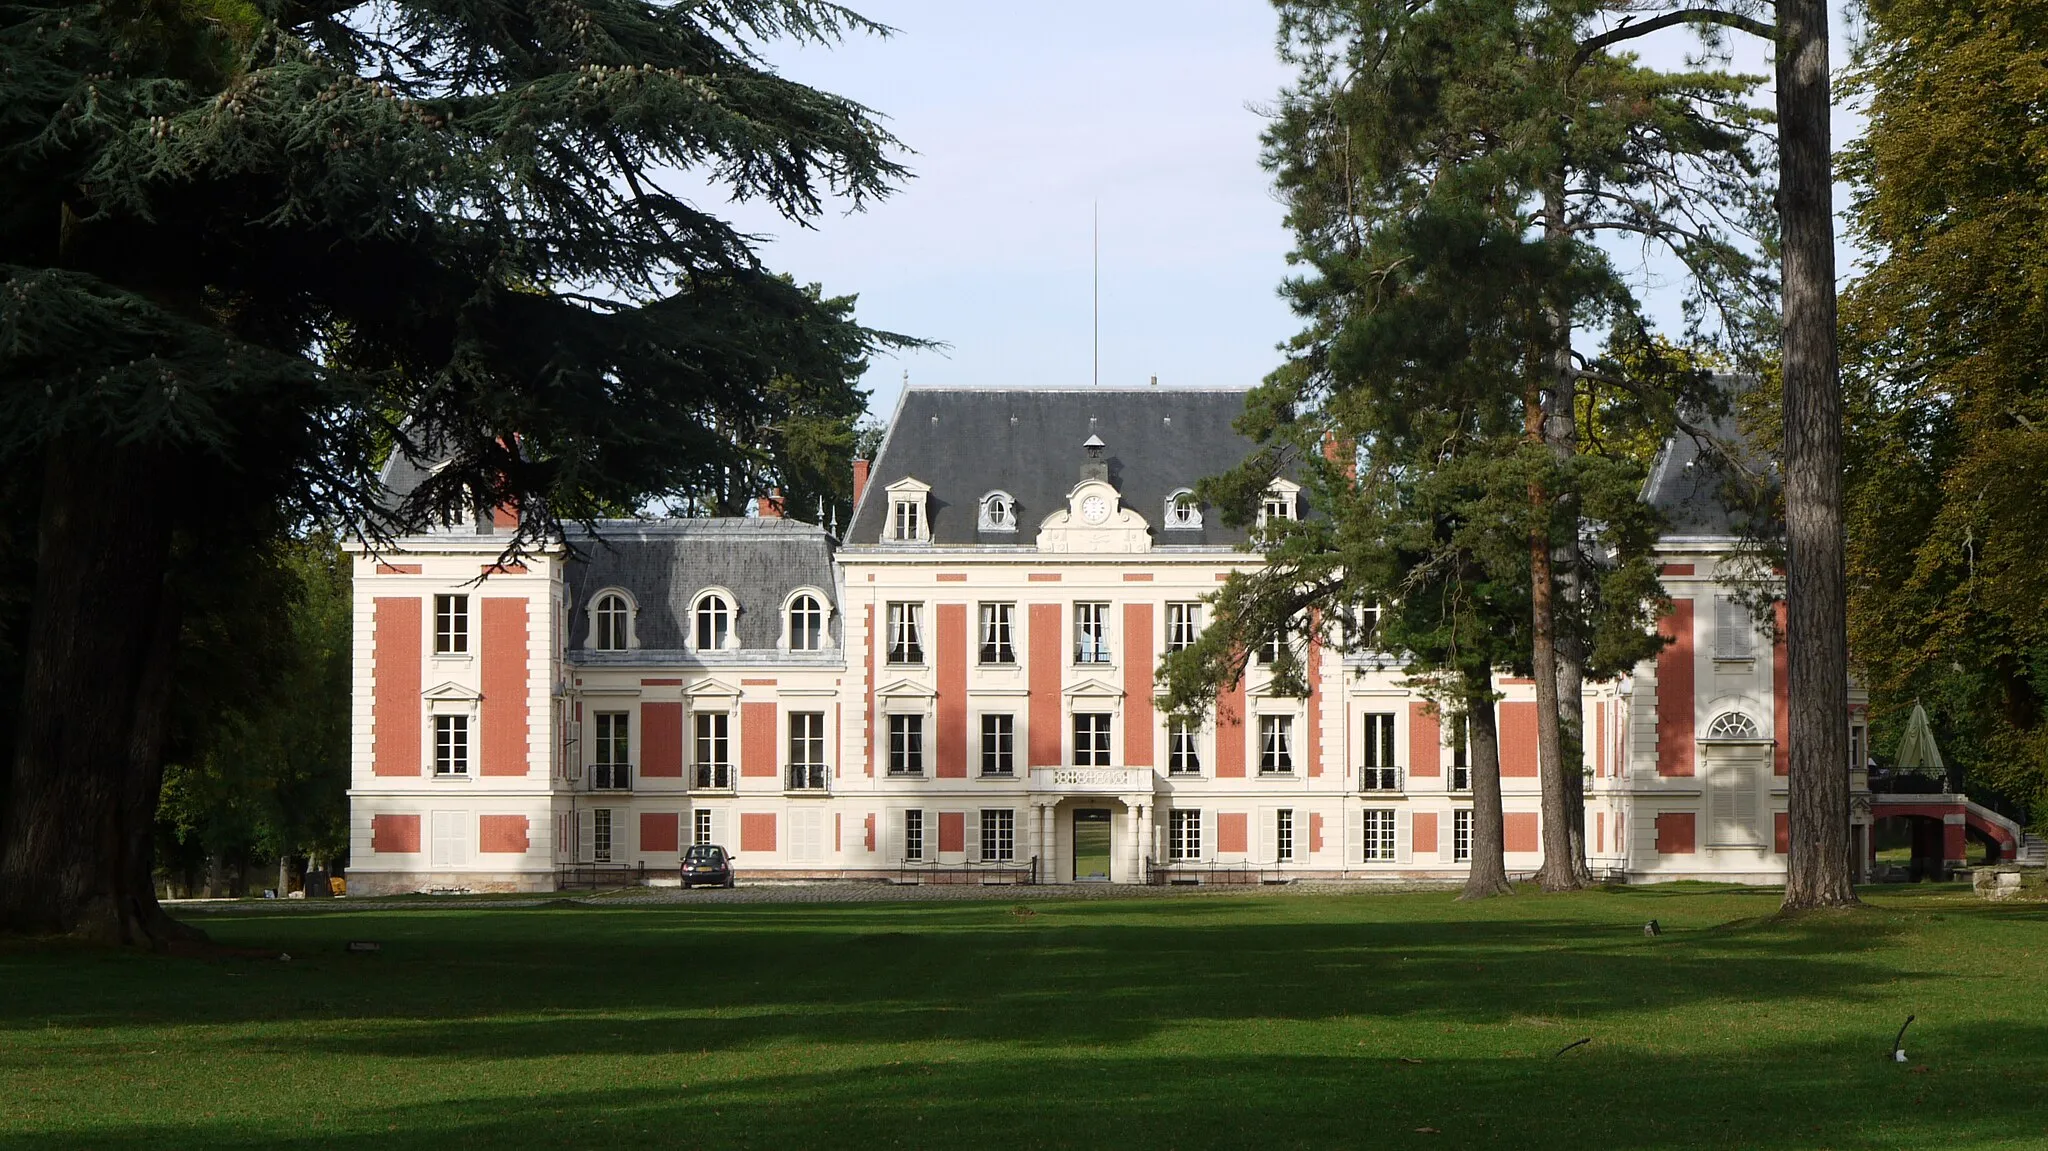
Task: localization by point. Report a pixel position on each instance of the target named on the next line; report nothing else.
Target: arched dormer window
(611, 621)
(998, 513)
(711, 622)
(1733, 725)
(1183, 512)
(806, 617)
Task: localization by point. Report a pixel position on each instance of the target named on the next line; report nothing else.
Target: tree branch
(1630, 31)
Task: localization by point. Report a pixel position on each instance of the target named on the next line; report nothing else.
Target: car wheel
(729, 882)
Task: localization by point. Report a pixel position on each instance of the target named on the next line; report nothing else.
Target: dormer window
(1281, 503)
(611, 622)
(1183, 512)
(806, 622)
(713, 619)
(998, 513)
(909, 522)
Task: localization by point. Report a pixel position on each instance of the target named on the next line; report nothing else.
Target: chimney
(1343, 453)
(860, 480)
(770, 505)
(1096, 468)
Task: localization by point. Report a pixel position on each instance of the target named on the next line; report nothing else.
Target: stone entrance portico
(1055, 792)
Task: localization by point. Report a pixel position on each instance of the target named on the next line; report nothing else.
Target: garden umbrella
(1916, 748)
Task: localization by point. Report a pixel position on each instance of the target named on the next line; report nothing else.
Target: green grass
(1277, 1020)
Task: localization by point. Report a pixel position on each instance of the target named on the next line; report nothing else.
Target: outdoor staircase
(2033, 850)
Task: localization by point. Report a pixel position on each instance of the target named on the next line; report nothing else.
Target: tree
(1946, 342)
(242, 242)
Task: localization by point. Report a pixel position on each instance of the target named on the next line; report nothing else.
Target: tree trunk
(1561, 432)
(97, 670)
(1488, 874)
(1557, 873)
(1817, 873)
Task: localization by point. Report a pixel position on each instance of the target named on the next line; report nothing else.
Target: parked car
(706, 864)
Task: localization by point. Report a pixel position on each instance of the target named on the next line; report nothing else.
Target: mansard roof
(665, 564)
(1028, 442)
(1690, 483)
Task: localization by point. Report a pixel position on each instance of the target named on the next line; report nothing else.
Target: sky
(1031, 129)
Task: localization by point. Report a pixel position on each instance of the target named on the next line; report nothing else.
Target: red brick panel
(1675, 833)
(1781, 700)
(661, 740)
(501, 834)
(868, 761)
(1955, 840)
(1518, 832)
(1047, 643)
(395, 647)
(660, 831)
(1600, 831)
(757, 740)
(869, 827)
(1600, 739)
(395, 834)
(951, 658)
(1676, 569)
(952, 831)
(1781, 833)
(1312, 740)
(1674, 692)
(1232, 831)
(1138, 718)
(1422, 835)
(504, 683)
(1425, 740)
(1230, 732)
(1315, 832)
(398, 569)
(1518, 741)
(757, 831)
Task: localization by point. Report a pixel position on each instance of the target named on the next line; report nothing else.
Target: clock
(1095, 509)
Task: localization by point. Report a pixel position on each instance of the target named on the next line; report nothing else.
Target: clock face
(1095, 509)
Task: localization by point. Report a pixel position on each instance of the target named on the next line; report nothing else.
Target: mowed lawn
(1198, 1021)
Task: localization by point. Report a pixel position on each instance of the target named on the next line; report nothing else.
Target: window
(1283, 835)
(906, 745)
(1362, 629)
(714, 749)
(1269, 649)
(1276, 745)
(609, 623)
(702, 822)
(1461, 765)
(998, 513)
(998, 834)
(1461, 835)
(1278, 505)
(806, 623)
(1183, 752)
(1183, 835)
(451, 625)
(601, 835)
(1378, 771)
(1734, 630)
(913, 834)
(1091, 633)
(611, 767)
(1183, 624)
(806, 750)
(1091, 739)
(1183, 512)
(1733, 725)
(714, 623)
(451, 745)
(1859, 740)
(1379, 834)
(906, 644)
(906, 521)
(998, 639)
(998, 744)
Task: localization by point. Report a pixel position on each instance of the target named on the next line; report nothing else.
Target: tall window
(906, 745)
(806, 623)
(1183, 834)
(1461, 835)
(998, 744)
(1379, 771)
(806, 750)
(906, 643)
(1362, 628)
(913, 834)
(1183, 624)
(1734, 630)
(451, 745)
(714, 622)
(611, 623)
(998, 640)
(1091, 633)
(714, 749)
(1091, 739)
(906, 521)
(701, 825)
(1276, 744)
(601, 835)
(1379, 834)
(1183, 751)
(1270, 648)
(451, 624)
(611, 768)
(1461, 766)
(1283, 835)
(998, 834)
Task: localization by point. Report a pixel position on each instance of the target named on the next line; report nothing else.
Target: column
(1049, 871)
(1140, 823)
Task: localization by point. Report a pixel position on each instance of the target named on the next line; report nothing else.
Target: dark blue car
(706, 865)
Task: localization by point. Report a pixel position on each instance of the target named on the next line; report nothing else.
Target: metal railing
(595, 876)
(611, 777)
(1193, 872)
(1379, 779)
(988, 873)
(806, 776)
(712, 776)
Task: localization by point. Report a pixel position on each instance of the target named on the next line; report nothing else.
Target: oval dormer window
(998, 512)
(1183, 511)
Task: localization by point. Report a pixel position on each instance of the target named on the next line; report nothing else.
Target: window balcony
(1379, 780)
(809, 778)
(611, 777)
(1460, 779)
(712, 777)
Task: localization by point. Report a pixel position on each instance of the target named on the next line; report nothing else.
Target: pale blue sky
(1021, 118)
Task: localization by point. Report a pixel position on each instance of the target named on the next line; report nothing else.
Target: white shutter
(806, 835)
(450, 846)
(1269, 835)
(586, 836)
(972, 833)
(1404, 835)
(894, 847)
(1447, 835)
(1208, 819)
(720, 826)
(1732, 629)
(1355, 828)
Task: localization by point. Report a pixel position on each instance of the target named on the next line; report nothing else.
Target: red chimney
(770, 505)
(860, 480)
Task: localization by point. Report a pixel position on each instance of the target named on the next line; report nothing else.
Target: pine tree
(241, 241)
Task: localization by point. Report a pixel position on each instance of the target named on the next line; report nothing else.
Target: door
(1091, 845)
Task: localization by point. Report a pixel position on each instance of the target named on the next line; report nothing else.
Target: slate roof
(967, 442)
(1689, 485)
(665, 563)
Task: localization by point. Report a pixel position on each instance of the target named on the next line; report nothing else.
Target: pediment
(1069, 529)
(451, 691)
(711, 686)
(907, 689)
(1097, 688)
